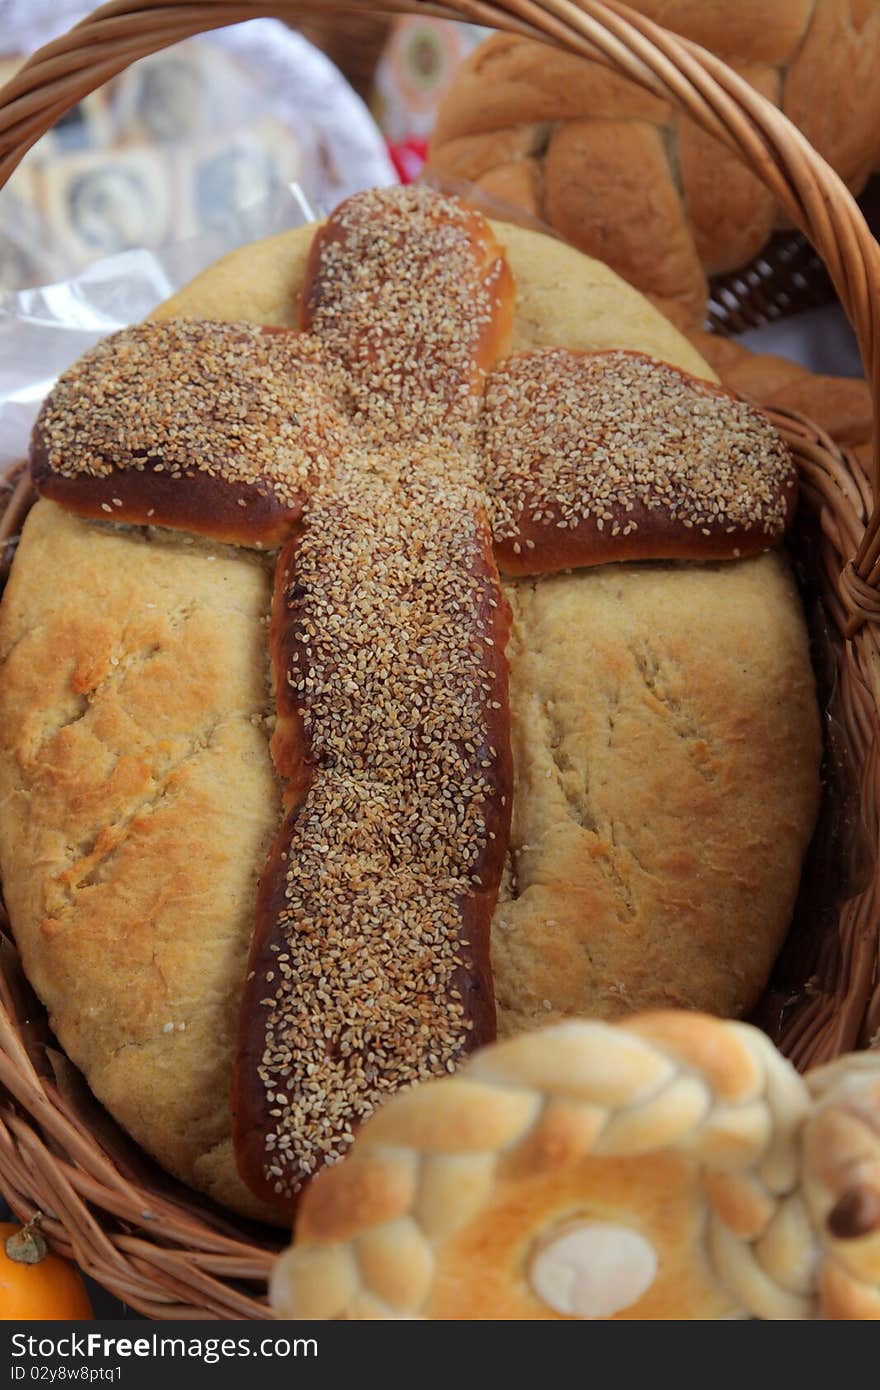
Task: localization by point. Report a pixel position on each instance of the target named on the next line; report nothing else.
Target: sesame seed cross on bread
(400, 460)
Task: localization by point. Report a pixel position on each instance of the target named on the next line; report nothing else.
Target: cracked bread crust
(665, 749)
(139, 801)
(130, 848)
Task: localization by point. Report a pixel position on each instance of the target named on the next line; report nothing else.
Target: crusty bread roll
(663, 727)
(622, 176)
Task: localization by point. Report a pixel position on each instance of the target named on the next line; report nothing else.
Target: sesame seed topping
(405, 296)
(190, 397)
(391, 659)
(392, 601)
(573, 440)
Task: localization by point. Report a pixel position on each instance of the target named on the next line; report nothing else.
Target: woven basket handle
(674, 69)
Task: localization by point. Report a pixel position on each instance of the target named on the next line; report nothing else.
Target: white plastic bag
(181, 144)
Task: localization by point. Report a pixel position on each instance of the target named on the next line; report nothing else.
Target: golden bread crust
(139, 801)
(674, 1139)
(674, 1166)
(124, 832)
(665, 743)
(622, 176)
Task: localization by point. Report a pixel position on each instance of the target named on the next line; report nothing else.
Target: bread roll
(140, 799)
(623, 176)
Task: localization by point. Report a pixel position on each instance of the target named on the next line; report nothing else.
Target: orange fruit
(40, 1287)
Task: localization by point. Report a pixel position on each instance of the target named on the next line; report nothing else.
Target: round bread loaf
(623, 176)
(665, 740)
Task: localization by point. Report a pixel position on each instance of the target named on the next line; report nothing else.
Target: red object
(408, 157)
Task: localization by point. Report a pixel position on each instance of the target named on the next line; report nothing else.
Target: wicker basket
(157, 1245)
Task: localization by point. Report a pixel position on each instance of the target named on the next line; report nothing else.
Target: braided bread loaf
(627, 179)
(674, 1166)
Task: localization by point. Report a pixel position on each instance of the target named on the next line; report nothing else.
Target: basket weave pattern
(154, 1244)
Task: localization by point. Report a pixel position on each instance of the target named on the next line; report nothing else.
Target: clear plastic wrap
(181, 144)
(43, 330)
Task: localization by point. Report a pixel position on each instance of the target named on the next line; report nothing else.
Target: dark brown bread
(412, 841)
(388, 638)
(215, 428)
(612, 456)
